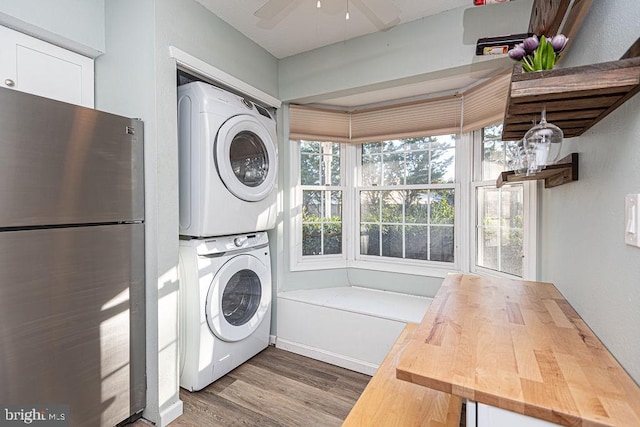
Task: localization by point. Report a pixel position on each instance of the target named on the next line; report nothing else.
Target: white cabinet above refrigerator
(34, 66)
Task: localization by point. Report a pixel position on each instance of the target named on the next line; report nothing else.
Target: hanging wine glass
(534, 156)
(519, 164)
(545, 139)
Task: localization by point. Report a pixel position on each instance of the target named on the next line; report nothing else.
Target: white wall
(77, 25)
(583, 250)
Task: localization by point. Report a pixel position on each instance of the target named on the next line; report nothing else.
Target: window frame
(298, 261)
(530, 219)
(404, 265)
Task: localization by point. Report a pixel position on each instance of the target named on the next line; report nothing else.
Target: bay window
(410, 188)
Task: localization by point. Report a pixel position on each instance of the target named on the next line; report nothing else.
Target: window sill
(483, 271)
(405, 267)
(325, 263)
(391, 266)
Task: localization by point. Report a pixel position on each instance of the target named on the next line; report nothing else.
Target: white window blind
(426, 118)
(485, 104)
(314, 124)
(477, 107)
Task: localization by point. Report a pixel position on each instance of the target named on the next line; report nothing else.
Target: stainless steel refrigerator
(72, 329)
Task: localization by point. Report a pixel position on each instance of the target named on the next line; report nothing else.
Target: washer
(228, 163)
(225, 305)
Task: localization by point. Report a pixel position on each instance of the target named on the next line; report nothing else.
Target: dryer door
(238, 298)
(246, 158)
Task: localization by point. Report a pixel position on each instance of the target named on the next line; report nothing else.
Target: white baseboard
(170, 414)
(272, 340)
(327, 356)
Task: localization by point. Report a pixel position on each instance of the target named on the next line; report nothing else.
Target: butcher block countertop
(519, 346)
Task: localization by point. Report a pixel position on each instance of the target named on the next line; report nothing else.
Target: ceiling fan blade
(391, 16)
(271, 9)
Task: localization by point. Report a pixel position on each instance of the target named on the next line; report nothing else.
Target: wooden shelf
(575, 98)
(564, 171)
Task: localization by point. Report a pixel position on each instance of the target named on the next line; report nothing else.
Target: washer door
(238, 298)
(246, 158)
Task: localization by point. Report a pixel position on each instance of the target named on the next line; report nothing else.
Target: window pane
(392, 202)
(322, 222)
(416, 206)
(311, 239)
(370, 206)
(392, 241)
(423, 143)
(511, 253)
(496, 154)
(441, 244)
(312, 205)
(332, 238)
(442, 207)
(416, 242)
(309, 169)
(393, 169)
(335, 207)
(371, 147)
(371, 170)
(370, 239)
(488, 248)
(493, 159)
(500, 228)
(335, 171)
(393, 146)
(417, 167)
(309, 147)
(330, 164)
(511, 209)
(512, 228)
(443, 166)
(443, 142)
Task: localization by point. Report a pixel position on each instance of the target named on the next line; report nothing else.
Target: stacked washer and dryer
(228, 171)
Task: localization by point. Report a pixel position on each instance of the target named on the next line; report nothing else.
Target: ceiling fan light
(318, 4)
(346, 17)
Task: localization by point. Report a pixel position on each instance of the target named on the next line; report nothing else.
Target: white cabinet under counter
(481, 415)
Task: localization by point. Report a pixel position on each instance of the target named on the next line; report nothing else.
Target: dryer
(225, 307)
(228, 163)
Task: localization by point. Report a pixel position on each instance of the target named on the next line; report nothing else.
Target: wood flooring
(275, 388)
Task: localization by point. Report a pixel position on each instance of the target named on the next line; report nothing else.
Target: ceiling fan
(381, 13)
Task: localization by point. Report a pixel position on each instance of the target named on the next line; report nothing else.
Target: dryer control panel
(224, 244)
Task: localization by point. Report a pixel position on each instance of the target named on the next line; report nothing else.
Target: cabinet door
(34, 66)
(490, 416)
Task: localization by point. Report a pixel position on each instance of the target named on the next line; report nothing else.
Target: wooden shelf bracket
(564, 171)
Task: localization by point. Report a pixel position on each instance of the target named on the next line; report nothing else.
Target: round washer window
(249, 158)
(241, 297)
